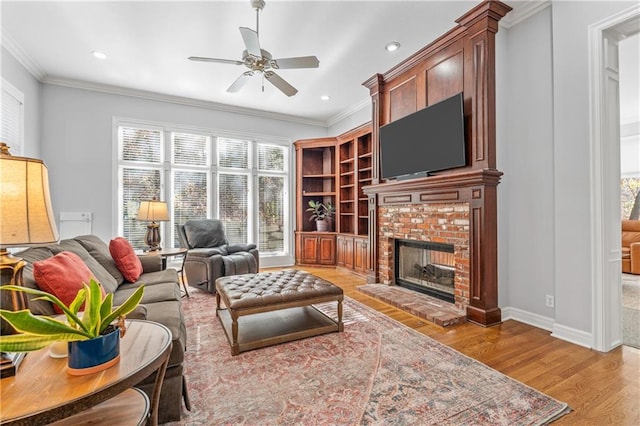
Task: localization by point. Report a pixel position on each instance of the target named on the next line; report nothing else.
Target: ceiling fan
(260, 61)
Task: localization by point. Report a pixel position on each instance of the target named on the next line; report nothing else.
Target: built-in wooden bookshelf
(335, 170)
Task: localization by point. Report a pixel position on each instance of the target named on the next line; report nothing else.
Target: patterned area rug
(377, 371)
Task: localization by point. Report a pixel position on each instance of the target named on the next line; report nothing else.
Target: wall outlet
(550, 301)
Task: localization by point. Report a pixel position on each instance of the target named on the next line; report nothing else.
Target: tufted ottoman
(277, 307)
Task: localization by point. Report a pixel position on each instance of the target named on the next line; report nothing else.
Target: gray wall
(525, 156)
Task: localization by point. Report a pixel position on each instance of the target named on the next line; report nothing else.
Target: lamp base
(10, 274)
(152, 237)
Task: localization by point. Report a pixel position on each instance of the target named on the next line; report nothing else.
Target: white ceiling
(148, 42)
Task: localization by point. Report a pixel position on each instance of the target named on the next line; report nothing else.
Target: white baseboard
(526, 317)
(571, 335)
(276, 261)
(578, 337)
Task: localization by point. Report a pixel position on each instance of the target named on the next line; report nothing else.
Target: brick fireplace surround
(442, 223)
(454, 208)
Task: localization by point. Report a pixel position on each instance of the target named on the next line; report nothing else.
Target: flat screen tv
(425, 141)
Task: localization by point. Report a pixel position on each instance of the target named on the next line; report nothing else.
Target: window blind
(140, 145)
(190, 149)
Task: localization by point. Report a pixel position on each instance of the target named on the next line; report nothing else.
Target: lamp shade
(153, 210)
(26, 216)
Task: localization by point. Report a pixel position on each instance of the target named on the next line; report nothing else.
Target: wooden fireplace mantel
(461, 60)
(455, 187)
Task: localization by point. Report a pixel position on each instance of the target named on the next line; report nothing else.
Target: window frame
(9, 89)
(284, 258)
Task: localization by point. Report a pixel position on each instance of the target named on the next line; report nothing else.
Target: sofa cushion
(103, 276)
(62, 275)
(100, 252)
(205, 233)
(126, 259)
(161, 292)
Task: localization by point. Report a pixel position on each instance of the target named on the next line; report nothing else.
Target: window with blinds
(272, 187)
(12, 119)
(140, 177)
(242, 182)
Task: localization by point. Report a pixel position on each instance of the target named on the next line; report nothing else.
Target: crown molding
(349, 111)
(21, 56)
(523, 10)
(179, 100)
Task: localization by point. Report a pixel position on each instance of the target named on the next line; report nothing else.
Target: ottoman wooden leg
(217, 302)
(235, 346)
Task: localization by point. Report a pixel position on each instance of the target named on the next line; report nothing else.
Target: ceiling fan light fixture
(99, 55)
(392, 46)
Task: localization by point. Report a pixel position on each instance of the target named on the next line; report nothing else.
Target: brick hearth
(421, 305)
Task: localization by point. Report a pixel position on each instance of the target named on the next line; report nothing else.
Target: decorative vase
(91, 356)
(322, 225)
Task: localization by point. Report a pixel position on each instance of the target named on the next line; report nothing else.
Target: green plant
(320, 211)
(38, 331)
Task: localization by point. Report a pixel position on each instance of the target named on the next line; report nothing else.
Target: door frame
(604, 145)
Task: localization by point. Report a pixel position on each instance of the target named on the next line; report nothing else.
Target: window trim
(17, 94)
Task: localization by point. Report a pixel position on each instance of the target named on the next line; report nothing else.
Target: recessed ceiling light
(394, 45)
(99, 55)
(325, 97)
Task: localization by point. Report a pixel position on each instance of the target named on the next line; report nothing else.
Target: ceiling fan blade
(280, 83)
(251, 41)
(220, 61)
(300, 62)
(240, 82)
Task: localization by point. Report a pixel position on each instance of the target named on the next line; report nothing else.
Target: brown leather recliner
(631, 246)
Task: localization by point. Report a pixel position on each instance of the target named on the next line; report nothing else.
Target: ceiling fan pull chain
(262, 82)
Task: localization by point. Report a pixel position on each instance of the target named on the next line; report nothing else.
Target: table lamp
(153, 211)
(26, 219)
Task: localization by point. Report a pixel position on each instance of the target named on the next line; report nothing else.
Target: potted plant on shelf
(322, 214)
(93, 336)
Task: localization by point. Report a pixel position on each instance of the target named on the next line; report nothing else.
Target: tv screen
(425, 141)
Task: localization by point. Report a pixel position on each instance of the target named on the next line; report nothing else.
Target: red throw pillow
(126, 259)
(62, 275)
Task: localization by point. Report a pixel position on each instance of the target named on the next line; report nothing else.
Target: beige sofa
(161, 303)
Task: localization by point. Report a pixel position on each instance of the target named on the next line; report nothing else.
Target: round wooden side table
(42, 391)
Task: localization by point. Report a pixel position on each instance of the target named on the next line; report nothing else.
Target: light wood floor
(602, 389)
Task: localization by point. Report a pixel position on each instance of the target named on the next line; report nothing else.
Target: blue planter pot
(91, 356)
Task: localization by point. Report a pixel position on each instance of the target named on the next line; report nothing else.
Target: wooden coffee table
(275, 307)
(42, 391)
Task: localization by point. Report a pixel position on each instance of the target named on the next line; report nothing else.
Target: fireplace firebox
(426, 267)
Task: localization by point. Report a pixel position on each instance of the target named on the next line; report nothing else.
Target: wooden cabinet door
(340, 254)
(309, 248)
(361, 255)
(348, 252)
(327, 250)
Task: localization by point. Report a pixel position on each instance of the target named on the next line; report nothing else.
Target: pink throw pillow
(62, 275)
(127, 261)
